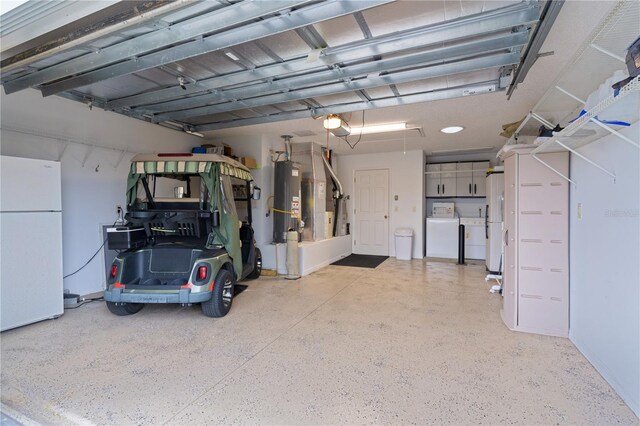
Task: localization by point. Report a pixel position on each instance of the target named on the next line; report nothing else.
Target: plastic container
(624, 112)
(404, 243)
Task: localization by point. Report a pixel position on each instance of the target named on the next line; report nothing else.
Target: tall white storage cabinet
(30, 241)
(536, 234)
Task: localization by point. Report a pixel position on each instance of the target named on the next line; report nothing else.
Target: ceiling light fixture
(379, 128)
(332, 122)
(232, 56)
(452, 129)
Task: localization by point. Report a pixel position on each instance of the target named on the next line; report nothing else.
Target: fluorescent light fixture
(379, 128)
(232, 56)
(452, 129)
(332, 122)
(200, 135)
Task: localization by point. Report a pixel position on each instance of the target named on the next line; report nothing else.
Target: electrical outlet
(118, 209)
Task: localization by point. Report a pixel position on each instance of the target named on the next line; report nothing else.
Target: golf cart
(183, 242)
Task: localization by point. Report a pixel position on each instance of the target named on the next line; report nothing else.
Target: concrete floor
(409, 342)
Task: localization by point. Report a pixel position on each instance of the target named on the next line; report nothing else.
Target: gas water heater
(287, 200)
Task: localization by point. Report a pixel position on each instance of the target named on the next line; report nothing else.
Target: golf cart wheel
(123, 309)
(257, 266)
(221, 297)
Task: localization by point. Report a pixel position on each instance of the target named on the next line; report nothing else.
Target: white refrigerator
(30, 241)
(493, 223)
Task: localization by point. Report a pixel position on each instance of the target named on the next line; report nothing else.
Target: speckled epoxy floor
(407, 343)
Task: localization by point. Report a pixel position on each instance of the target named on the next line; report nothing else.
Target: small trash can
(404, 243)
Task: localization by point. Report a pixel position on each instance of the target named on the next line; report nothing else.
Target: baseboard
(607, 375)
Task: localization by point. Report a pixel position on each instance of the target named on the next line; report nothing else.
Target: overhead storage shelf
(599, 57)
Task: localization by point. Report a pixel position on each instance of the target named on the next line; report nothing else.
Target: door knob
(385, 216)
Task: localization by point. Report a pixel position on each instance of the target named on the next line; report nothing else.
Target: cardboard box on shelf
(250, 162)
(215, 150)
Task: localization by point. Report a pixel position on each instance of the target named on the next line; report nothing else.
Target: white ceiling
(482, 116)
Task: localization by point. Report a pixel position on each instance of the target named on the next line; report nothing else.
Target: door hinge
(354, 242)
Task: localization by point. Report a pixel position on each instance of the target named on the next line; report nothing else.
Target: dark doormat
(239, 288)
(361, 261)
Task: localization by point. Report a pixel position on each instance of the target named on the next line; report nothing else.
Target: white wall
(91, 191)
(406, 180)
(604, 262)
(258, 147)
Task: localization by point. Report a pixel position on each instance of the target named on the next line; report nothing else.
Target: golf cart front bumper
(183, 296)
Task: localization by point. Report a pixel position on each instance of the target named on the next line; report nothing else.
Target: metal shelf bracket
(572, 96)
(541, 161)
(593, 163)
(612, 131)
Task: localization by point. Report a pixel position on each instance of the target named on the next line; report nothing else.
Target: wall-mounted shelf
(598, 58)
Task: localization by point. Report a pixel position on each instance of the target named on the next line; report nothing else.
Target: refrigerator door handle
(475, 188)
(469, 188)
(486, 222)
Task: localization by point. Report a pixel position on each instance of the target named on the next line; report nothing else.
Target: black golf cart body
(183, 240)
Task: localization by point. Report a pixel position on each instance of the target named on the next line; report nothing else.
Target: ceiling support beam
(250, 32)
(549, 14)
(137, 14)
(469, 26)
(448, 93)
(362, 23)
(312, 37)
(181, 32)
(476, 48)
(441, 70)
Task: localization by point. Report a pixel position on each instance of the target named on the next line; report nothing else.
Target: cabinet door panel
(433, 180)
(448, 186)
(433, 185)
(480, 178)
(464, 180)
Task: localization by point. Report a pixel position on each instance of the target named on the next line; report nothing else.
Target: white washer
(442, 237)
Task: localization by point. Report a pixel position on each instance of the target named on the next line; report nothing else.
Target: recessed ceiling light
(452, 129)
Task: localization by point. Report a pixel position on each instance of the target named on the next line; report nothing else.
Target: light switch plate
(579, 210)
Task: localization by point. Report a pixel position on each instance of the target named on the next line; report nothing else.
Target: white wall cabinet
(448, 180)
(441, 180)
(471, 179)
(433, 180)
(480, 178)
(536, 273)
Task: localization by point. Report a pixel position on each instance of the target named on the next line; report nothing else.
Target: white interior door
(371, 213)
